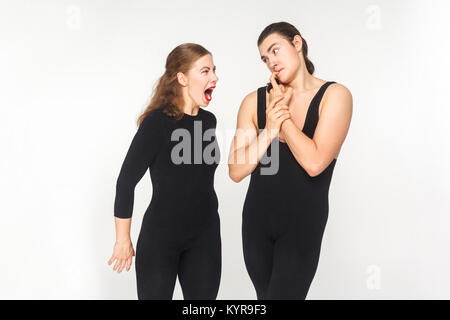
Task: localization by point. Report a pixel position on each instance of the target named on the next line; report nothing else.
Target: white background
(74, 76)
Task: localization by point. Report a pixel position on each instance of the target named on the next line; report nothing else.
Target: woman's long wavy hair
(167, 94)
(288, 31)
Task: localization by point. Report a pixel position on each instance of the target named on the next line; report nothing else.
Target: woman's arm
(248, 147)
(143, 149)
(314, 155)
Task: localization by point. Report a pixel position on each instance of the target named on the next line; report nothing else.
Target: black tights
(283, 267)
(161, 255)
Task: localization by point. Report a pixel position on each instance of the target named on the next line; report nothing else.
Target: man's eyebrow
(262, 57)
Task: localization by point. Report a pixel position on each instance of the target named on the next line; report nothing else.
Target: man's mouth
(208, 93)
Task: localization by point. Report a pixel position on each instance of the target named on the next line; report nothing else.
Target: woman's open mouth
(208, 93)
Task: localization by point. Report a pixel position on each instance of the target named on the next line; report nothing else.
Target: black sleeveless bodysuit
(284, 215)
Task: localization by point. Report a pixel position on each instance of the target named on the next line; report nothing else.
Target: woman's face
(202, 79)
(281, 56)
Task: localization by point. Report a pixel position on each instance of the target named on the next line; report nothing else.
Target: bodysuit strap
(261, 107)
(312, 116)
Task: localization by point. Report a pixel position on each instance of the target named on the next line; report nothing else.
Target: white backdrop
(75, 75)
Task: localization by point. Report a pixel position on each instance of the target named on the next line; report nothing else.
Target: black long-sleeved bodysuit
(284, 216)
(180, 232)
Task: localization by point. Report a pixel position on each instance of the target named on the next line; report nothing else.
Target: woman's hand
(123, 254)
(278, 109)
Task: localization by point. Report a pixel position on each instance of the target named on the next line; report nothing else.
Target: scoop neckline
(193, 116)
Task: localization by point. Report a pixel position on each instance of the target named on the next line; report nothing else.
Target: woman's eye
(205, 71)
(276, 50)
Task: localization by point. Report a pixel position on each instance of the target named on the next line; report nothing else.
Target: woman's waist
(185, 199)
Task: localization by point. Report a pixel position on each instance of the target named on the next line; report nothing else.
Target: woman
(180, 232)
(302, 128)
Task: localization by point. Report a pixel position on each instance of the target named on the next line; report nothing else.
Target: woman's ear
(181, 79)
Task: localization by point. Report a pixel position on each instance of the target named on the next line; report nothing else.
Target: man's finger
(273, 102)
(276, 87)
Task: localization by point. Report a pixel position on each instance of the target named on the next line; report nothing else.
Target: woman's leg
(201, 264)
(156, 264)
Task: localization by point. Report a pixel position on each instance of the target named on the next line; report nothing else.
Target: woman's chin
(204, 102)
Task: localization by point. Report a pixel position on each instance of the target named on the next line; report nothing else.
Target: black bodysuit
(180, 232)
(284, 217)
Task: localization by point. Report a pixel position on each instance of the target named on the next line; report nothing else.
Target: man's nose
(272, 64)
